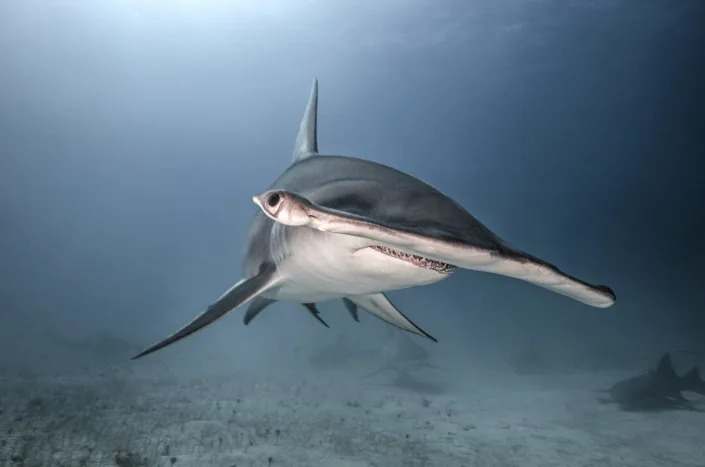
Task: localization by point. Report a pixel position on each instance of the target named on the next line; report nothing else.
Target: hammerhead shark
(341, 227)
(656, 389)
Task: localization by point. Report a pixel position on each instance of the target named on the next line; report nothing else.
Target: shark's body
(341, 227)
(656, 389)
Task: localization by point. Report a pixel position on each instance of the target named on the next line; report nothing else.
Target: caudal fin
(692, 381)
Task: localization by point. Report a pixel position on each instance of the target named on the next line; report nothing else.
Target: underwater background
(133, 135)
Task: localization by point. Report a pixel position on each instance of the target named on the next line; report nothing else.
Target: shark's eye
(273, 199)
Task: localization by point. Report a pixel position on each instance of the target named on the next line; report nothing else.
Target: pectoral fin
(237, 295)
(380, 306)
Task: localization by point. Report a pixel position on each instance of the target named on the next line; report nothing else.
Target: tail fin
(693, 382)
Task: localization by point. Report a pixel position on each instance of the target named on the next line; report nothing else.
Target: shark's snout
(268, 201)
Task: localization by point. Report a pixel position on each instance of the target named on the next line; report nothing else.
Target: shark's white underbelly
(325, 266)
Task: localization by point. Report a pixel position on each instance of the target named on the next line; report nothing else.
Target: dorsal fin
(665, 367)
(307, 139)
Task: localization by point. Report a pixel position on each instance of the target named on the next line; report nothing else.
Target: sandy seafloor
(332, 418)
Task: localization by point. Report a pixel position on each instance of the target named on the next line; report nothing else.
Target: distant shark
(344, 353)
(403, 356)
(341, 227)
(656, 389)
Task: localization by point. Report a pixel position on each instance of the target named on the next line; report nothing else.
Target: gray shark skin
(658, 389)
(335, 227)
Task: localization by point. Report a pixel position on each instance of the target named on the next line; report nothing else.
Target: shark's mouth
(420, 261)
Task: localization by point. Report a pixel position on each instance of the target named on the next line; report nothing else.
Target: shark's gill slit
(426, 263)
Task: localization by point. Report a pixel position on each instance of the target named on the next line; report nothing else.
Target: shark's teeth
(420, 261)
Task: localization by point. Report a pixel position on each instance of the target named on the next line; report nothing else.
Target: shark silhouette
(656, 389)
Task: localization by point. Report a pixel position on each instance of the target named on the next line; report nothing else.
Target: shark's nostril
(273, 199)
